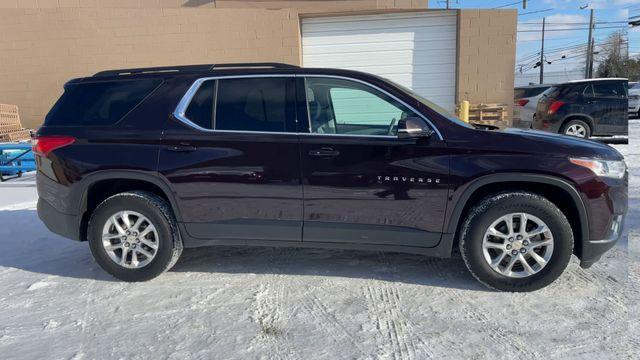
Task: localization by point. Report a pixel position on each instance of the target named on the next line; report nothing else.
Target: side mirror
(413, 127)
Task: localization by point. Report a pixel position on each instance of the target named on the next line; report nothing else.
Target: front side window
(254, 104)
(338, 106)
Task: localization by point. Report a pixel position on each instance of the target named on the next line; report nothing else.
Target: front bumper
(606, 202)
(592, 250)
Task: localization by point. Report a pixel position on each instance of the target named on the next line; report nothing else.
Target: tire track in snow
(472, 311)
(397, 337)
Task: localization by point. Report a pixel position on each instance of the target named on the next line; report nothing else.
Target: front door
(233, 160)
(362, 184)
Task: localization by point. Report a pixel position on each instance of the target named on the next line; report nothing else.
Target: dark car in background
(143, 162)
(584, 108)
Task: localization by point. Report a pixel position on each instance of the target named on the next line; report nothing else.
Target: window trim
(179, 112)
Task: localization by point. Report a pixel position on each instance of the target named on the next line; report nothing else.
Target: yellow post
(464, 111)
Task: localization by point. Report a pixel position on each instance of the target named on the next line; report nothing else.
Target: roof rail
(193, 68)
(149, 70)
(275, 65)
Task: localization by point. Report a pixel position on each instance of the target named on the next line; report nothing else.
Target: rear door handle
(325, 152)
(183, 147)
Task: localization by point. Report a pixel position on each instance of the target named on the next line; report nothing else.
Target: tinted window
(339, 106)
(253, 104)
(99, 103)
(529, 92)
(200, 110)
(609, 90)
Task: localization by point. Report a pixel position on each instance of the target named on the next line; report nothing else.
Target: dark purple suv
(144, 162)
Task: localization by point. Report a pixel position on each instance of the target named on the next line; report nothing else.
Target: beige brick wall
(486, 56)
(44, 43)
(40, 49)
(300, 5)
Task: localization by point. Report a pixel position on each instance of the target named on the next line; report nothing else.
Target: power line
(507, 5)
(535, 12)
(578, 29)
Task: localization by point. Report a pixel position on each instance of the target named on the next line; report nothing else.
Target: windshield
(440, 110)
(636, 86)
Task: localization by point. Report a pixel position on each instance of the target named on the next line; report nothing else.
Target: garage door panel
(415, 50)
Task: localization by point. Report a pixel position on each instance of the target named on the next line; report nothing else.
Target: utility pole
(542, 53)
(448, 4)
(589, 64)
(524, 4)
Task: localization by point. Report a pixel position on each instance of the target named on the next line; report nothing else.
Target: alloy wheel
(576, 130)
(517, 245)
(130, 239)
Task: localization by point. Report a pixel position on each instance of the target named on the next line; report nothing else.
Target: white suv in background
(526, 101)
(634, 100)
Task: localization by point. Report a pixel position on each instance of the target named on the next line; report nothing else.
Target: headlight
(605, 168)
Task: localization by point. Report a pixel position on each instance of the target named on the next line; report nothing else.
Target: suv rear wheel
(133, 236)
(577, 128)
(516, 241)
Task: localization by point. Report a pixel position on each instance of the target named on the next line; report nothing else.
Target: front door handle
(325, 152)
(183, 147)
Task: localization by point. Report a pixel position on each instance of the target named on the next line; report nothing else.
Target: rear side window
(99, 103)
(529, 92)
(611, 90)
(254, 104)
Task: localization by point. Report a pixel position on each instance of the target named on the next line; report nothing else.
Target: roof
(596, 79)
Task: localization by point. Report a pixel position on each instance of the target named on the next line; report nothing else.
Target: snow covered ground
(56, 303)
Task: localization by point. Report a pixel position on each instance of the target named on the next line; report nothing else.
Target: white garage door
(416, 50)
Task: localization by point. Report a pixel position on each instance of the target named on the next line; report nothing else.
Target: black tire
(480, 218)
(576, 122)
(158, 212)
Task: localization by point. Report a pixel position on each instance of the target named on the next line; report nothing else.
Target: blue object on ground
(15, 159)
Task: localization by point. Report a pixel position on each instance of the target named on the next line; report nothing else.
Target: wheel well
(578, 117)
(103, 189)
(558, 196)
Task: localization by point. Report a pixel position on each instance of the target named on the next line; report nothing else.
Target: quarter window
(338, 106)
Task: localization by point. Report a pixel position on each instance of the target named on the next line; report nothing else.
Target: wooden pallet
(16, 136)
(489, 114)
(10, 127)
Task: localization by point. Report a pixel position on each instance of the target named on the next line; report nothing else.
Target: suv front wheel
(516, 241)
(133, 236)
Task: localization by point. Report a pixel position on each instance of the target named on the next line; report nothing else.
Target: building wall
(486, 56)
(300, 5)
(43, 47)
(44, 43)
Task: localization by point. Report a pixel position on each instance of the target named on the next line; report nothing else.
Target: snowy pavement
(269, 303)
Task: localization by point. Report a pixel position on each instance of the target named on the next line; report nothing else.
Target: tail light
(43, 145)
(555, 106)
(522, 102)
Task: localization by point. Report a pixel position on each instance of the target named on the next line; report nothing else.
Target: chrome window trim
(179, 112)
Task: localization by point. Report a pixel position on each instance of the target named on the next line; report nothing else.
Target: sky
(610, 16)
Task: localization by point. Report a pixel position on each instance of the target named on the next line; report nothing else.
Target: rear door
(610, 100)
(362, 184)
(232, 158)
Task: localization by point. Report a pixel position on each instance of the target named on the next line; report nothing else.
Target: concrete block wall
(486, 56)
(44, 43)
(40, 49)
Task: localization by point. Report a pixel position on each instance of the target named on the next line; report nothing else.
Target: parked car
(584, 108)
(144, 162)
(634, 99)
(526, 101)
